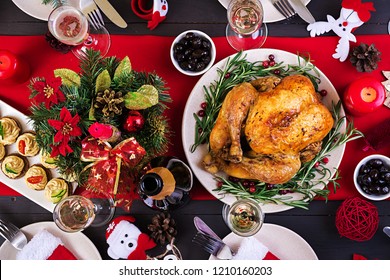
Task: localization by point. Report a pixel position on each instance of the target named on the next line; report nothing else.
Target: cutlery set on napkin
(249, 249)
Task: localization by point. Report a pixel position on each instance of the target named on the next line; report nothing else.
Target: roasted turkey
(267, 128)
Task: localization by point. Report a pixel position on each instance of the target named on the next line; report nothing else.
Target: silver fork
(92, 12)
(13, 234)
(283, 7)
(213, 246)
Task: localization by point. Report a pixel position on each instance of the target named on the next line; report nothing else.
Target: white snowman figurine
(126, 241)
(352, 15)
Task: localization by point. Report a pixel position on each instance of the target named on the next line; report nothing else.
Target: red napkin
(253, 249)
(45, 246)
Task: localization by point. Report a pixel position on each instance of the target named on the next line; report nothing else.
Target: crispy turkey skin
(282, 122)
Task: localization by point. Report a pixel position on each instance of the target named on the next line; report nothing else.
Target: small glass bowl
(364, 161)
(212, 53)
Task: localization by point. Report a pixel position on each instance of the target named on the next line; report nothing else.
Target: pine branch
(55, 3)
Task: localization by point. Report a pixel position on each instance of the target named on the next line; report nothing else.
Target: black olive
(364, 169)
(197, 53)
(376, 163)
(200, 66)
(178, 48)
(188, 52)
(196, 42)
(366, 180)
(385, 190)
(184, 65)
(374, 174)
(386, 177)
(206, 60)
(180, 57)
(206, 44)
(189, 35)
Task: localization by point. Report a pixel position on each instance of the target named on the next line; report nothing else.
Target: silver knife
(302, 11)
(225, 253)
(111, 13)
(387, 231)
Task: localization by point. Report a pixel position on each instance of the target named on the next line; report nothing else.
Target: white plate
(281, 241)
(36, 9)
(19, 184)
(79, 244)
(270, 12)
(197, 97)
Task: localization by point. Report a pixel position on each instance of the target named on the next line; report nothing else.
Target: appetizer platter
(20, 183)
(311, 179)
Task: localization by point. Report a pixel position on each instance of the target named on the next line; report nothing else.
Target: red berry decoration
(357, 219)
(134, 122)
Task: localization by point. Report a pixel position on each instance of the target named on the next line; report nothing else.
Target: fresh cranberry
(277, 72)
(203, 105)
(252, 189)
(219, 184)
(270, 186)
(201, 113)
(227, 75)
(252, 184)
(317, 164)
(265, 63)
(271, 57)
(325, 160)
(200, 130)
(323, 92)
(283, 192)
(245, 183)
(272, 63)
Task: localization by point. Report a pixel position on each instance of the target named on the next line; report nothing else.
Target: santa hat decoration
(362, 9)
(253, 249)
(45, 246)
(126, 241)
(156, 14)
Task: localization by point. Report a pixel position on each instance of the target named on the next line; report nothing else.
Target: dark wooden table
(316, 225)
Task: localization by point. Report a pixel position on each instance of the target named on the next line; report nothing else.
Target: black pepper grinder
(167, 184)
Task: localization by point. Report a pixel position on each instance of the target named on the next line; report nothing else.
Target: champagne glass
(77, 212)
(244, 217)
(245, 29)
(71, 27)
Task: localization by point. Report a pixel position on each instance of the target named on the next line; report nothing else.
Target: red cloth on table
(151, 54)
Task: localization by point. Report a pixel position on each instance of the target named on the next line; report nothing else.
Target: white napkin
(253, 249)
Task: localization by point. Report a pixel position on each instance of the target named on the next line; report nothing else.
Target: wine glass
(77, 212)
(244, 217)
(69, 26)
(245, 29)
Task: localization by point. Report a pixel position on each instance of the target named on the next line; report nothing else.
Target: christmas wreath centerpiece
(102, 125)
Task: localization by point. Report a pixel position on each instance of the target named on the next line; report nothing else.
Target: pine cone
(365, 58)
(109, 103)
(162, 228)
(57, 45)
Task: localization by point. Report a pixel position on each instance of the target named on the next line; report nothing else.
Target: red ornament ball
(357, 219)
(134, 122)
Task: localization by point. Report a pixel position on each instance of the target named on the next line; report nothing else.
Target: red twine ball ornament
(357, 219)
(134, 122)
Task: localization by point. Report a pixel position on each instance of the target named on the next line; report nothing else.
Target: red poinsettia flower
(48, 92)
(66, 127)
(62, 148)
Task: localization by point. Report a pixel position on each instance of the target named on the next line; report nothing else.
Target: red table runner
(151, 54)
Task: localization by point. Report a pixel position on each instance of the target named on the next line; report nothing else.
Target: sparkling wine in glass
(245, 29)
(69, 26)
(75, 213)
(244, 217)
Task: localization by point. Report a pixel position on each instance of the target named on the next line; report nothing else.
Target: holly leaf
(69, 77)
(146, 96)
(103, 81)
(124, 67)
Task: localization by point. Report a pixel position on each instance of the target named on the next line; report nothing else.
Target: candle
(13, 69)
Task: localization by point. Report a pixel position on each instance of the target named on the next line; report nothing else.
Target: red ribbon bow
(110, 170)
